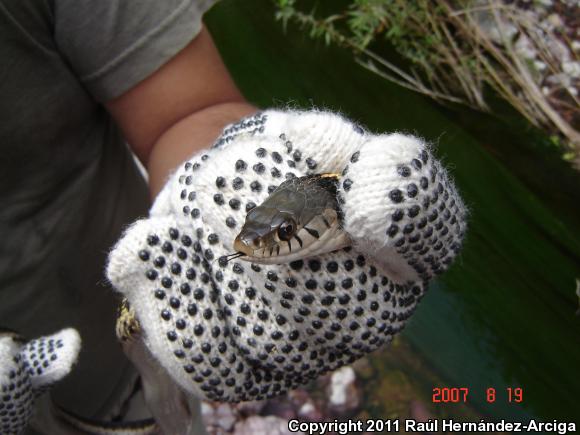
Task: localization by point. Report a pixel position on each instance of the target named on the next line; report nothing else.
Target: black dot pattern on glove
(16, 398)
(238, 342)
(41, 354)
(427, 224)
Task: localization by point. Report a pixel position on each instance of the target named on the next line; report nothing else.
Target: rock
(558, 49)
(572, 69)
(555, 21)
(206, 408)
(343, 394)
(207, 414)
(306, 407)
(225, 417)
(309, 411)
(561, 80)
(540, 66)
(219, 418)
(497, 29)
(525, 48)
(257, 425)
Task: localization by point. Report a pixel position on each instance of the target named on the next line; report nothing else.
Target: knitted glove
(234, 331)
(29, 369)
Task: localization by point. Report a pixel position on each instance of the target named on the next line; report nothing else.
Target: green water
(504, 315)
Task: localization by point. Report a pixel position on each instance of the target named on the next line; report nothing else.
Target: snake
(300, 218)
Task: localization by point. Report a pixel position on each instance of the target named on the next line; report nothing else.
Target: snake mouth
(247, 243)
(256, 247)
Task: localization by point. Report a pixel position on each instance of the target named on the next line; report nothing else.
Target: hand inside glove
(239, 330)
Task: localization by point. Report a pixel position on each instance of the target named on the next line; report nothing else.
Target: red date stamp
(461, 395)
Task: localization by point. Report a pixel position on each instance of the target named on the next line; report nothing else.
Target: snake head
(299, 219)
(265, 231)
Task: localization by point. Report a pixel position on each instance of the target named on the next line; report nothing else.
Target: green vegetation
(453, 51)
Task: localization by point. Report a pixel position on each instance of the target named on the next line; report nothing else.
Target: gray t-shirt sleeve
(111, 45)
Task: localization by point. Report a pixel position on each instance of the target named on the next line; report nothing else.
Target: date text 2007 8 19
(461, 394)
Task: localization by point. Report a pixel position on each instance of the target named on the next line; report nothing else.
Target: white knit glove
(28, 369)
(239, 331)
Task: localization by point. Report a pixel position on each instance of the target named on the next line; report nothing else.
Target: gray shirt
(68, 183)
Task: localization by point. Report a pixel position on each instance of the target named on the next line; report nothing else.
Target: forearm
(188, 136)
(179, 109)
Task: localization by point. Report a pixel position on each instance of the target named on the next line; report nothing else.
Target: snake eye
(286, 230)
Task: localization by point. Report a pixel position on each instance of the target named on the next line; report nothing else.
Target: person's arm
(179, 109)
